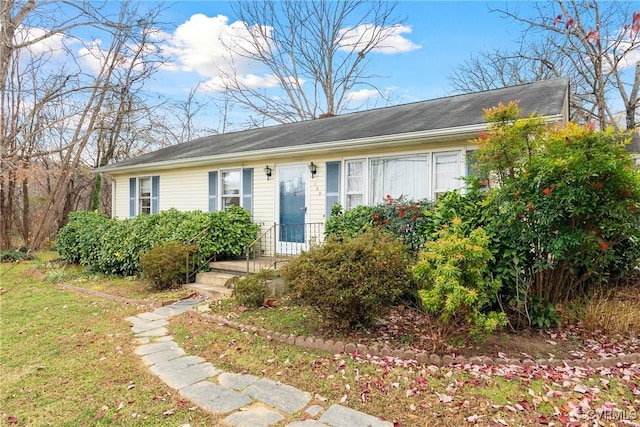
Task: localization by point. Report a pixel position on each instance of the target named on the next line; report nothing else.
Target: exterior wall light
(267, 172)
(313, 169)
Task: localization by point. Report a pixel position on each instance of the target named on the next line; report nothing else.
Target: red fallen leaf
(12, 420)
(396, 424)
(543, 420)
(157, 398)
(182, 403)
(98, 415)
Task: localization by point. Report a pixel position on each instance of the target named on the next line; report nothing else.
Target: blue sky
(446, 33)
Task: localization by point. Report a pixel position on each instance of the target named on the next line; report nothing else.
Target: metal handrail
(192, 272)
(281, 241)
(251, 246)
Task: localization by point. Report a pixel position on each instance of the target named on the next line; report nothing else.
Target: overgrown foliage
(402, 217)
(252, 291)
(565, 209)
(456, 281)
(350, 282)
(166, 264)
(114, 246)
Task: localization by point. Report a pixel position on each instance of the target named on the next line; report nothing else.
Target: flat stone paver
(148, 316)
(341, 416)
(215, 398)
(171, 310)
(162, 356)
(314, 410)
(236, 381)
(284, 397)
(158, 332)
(179, 363)
(187, 376)
(145, 325)
(250, 401)
(254, 417)
(156, 347)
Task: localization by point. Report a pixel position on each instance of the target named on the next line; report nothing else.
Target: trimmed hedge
(113, 246)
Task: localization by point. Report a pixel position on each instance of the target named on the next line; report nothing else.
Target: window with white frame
(414, 176)
(395, 176)
(355, 183)
(230, 188)
(446, 173)
(144, 195)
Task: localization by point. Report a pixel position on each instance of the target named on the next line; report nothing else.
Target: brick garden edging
(421, 357)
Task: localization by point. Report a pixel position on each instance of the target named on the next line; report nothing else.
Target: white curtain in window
(447, 172)
(355, 183)
(408, 176)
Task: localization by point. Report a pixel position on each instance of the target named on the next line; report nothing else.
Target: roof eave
(382, 141)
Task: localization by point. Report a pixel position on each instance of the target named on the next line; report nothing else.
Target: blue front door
(292, 202)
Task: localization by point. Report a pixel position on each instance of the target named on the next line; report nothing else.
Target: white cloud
(362, 95)
(53, 44)
(393, 40)
(206, 46)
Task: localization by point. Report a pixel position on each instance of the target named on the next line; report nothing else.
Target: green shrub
(401, 217)
(78, 241)
(404, 218)
(252, 291)
(165, 265)
(114, 246)
(349, 223)
(566, 207)
(456, 281)
(350, 282)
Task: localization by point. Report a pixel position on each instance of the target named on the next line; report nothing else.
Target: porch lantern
(267, 172)
(313, 169)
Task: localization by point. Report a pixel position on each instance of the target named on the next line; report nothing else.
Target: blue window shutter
(155, 194)
(213, 191)
(247, 189)
(132, 197)
(333, 186)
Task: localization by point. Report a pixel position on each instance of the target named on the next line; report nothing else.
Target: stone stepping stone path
(246, 400)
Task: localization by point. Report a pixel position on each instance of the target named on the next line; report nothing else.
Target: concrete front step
(213, 292)
(214, 278)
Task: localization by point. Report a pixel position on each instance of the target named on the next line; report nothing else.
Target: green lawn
(67, 359)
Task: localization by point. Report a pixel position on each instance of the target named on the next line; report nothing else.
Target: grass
(67, 360)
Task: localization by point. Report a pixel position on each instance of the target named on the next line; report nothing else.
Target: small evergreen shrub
(252, 291)
(401, 217)
(349, 223)
(456, 281)
(165, 265)
(350, 282)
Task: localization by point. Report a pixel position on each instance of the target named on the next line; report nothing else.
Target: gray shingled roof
(545, 97)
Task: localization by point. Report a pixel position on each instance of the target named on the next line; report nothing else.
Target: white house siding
(186, 189)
